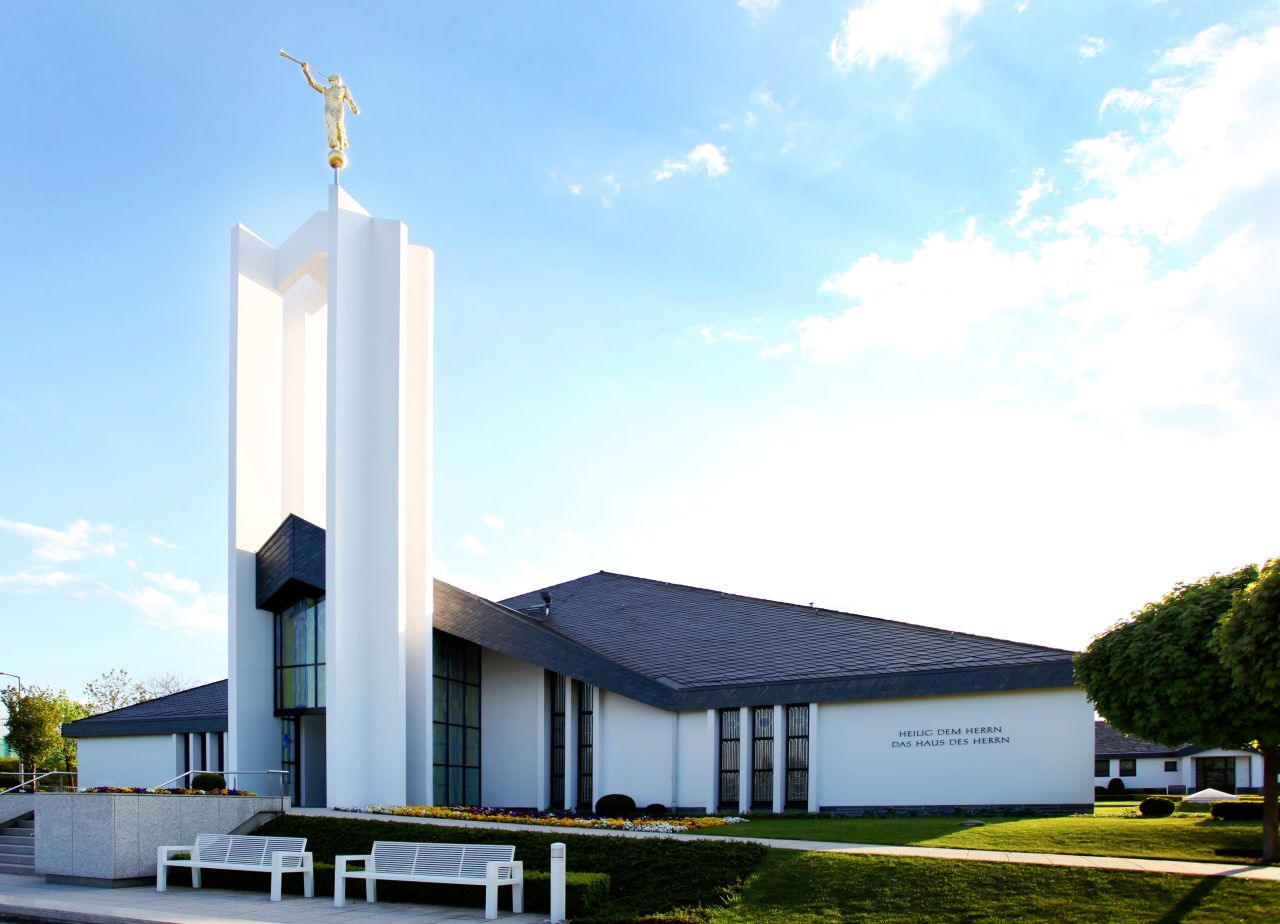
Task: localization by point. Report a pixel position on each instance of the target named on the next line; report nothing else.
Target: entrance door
(1216, 773)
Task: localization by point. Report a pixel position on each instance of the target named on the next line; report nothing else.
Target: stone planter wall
(15, 804)
(101, 837)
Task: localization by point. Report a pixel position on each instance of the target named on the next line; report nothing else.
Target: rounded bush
(1116, 786)
(1156, 807)
(616, 805)
(208, 781)
(655, 810)
(1236, 811)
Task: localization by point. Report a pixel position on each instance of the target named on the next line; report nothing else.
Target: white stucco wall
(512, 703)
(693, 761)
(127, 760)
(925, 751)
(636, 751)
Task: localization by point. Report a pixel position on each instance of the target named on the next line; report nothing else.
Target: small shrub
(208, 781)
(655, 810)
(1099, 790)
(616, 805)
(1116, 787)
(1236, 811)
(1156, 807)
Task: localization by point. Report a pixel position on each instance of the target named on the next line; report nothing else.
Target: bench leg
(340, 887)
(275, 885)
(517, 897)
(371, 890)
(490, 900)
(162, 876)
(308, 884)
(195, 877)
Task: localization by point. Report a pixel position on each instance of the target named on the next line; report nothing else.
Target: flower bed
(138, 790)
(550, 819)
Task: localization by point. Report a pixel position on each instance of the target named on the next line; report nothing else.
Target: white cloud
(1090, 46)
(79, 539)
(917, 32)
(735, 336)
(1156, 309)
(493, 521)
(472, 544)
(201, 612)
(780, 349)
(160, 543)
(39, 580)
(173, 583)
(575, 189)
(764, 98)
(705, 157)
(758, 8)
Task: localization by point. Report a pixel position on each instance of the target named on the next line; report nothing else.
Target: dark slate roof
(1111, 742)
(705, 648)
(200, 709)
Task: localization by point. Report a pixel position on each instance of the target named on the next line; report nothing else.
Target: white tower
(331, 377)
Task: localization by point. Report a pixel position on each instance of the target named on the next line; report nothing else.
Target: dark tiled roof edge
(198, 709)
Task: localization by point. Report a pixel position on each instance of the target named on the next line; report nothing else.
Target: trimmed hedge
(1156, 807)
(647, 877)
(1236, 811)
(616, 805)
(207, 781)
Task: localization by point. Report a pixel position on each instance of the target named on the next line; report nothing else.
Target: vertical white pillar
(675, 761)
(713, 761)
(557, 883)
(598, 763)
(570, 744)
(779, 758)
(377, 567)
(746, 749)
(255, 496)
(813, 758)
(542, 760)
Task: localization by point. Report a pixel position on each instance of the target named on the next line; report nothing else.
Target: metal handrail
(32, 781)
(232, 775)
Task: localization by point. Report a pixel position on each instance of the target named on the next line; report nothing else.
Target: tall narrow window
(730, 755)
(797, 794)
(456, 720)
(586, 749)
(290, 728)
(299, 660)
(557, 682)
(762, 757)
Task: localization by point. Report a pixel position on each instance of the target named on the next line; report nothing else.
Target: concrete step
(23, 824)
(18, 870)
(6, 838)
(17, 850)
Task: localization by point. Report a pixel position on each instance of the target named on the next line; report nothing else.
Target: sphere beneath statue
(337, 159)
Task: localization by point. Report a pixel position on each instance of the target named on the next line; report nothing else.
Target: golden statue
(336, 96)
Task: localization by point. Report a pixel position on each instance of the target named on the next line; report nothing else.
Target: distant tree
(1248, 642)
(166, 684)
(115, 689)
(34, 724)
(1158, 675)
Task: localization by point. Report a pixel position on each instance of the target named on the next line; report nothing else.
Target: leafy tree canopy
(1158, 675)
(35, 722)
(1248, 639)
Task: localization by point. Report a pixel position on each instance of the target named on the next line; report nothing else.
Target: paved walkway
(32, 897)
(1176, 867)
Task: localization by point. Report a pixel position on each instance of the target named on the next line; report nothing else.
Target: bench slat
(476, 857)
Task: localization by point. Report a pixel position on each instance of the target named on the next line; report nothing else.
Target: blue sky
(949, 311)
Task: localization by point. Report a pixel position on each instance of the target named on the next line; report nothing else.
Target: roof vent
(539, 612)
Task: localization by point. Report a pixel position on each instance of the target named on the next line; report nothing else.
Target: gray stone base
(1043, 809)
(131, 883)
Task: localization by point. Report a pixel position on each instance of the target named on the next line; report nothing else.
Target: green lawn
(1178, 837)
(806, 888)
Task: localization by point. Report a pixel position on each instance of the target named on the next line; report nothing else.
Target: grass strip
(1178, 837)
(817, 888)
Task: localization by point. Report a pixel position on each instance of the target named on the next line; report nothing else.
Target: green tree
(34, 724)
(1158, 675)
(1248, 643)
(67, 756)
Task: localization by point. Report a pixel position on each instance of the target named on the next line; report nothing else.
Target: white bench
(464, 864)
(249, 852)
